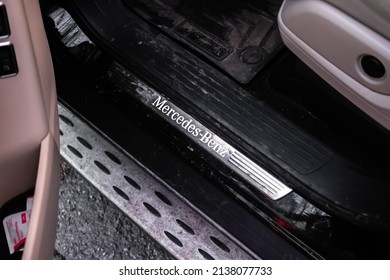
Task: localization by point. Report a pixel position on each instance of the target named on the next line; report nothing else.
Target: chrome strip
(209, 141)
(266, 182)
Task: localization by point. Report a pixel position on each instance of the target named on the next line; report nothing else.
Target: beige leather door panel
(29, 138)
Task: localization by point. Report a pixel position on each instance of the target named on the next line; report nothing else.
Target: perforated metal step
(149, 202)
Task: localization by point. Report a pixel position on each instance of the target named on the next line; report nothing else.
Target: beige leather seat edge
(336, 45)
(373, 13)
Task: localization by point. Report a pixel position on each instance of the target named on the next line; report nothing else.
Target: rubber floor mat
(237, 36)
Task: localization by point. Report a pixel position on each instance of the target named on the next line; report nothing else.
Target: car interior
(270, 118)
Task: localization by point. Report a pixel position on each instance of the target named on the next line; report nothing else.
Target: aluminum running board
(163, 214)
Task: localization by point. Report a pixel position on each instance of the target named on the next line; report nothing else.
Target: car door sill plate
(166, 216)
(213, 144)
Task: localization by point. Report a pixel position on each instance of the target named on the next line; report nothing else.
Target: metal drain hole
(61, 133)
(121, 193)
(220, 244)
(112, 157)
(132, 183)
(102, 167)
(205, 255)
(184, 226)
(84, 143)
(163, 198)
(173, 238)
(66, 120)
(75, 151)
(152, 209)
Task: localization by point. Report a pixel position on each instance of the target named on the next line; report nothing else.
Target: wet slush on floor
(91, 227)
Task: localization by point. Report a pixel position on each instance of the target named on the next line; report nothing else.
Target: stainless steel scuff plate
(150, 203)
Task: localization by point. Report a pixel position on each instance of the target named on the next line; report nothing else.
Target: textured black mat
(237, 36)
